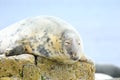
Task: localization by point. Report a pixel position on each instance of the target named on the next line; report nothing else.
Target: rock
(115, 79)
(108, 69)
(31, 72)
(12, 66)
(101, 76)
(51, 70)
(28, 67)
(10, 78)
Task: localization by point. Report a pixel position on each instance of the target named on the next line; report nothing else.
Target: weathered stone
(10, 78)
(31, 72)
(51, 70)
(27, 67)
(12, 66)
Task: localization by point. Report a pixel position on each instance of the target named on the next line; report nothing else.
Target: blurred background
(98, 22)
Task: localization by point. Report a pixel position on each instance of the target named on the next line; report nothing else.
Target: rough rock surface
(28, 67)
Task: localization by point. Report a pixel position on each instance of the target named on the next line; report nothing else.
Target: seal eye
(67, 43)
(78, 43)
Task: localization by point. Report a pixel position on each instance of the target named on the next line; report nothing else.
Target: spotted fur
(46, 36)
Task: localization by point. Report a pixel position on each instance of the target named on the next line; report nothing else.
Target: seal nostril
(74, 54)
(75, 58)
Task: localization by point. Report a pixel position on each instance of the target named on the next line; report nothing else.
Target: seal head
(72, 46)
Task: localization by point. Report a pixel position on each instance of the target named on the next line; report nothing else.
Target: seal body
(45, 36)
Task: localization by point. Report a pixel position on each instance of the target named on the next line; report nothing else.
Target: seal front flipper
(86, 59)
(15, 51)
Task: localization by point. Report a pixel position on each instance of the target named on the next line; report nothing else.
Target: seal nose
(74, 56)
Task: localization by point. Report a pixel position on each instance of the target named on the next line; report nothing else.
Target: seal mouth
(74, 56)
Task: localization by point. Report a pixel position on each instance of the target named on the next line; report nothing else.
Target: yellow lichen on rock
(58, 71)
(10, 78)
(31, 72)
(27, 67)
(13, 65)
